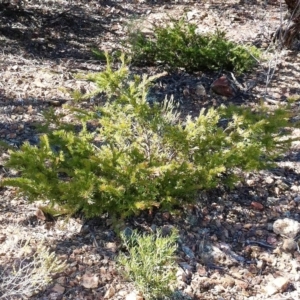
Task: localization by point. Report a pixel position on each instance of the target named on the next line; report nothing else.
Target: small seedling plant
(150, 262)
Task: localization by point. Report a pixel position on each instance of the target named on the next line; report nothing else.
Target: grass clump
(178, 45)
(32, 269)
(150, 263)
(143, 155)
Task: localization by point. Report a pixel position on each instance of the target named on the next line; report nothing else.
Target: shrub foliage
(142, 155)
(150, 263)
(178, 45)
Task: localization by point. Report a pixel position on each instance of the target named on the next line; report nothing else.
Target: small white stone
(277, 285)
(269, 180)
(134, 296)
(295, 188)
(191, 14)
(286, 227)
(289, 245)
(123, 293)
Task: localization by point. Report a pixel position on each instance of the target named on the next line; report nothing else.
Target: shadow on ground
(60, 31)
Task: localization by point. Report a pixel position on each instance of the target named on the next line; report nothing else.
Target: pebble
(289, 245)
(295, 188)
(276, 190)
(128, 232)
(90, 281)
(286, 227)
(277, 285)
(181, 275)
(241, 284)
(228, 281)
(186, 267)
(110, 292)
(134, 296)
(257, 205)
(269, 180)
(282, 185)
(58, 289)
(272, 200)
(188, 252)
(248, 226)
(122, 293)
(200, 90)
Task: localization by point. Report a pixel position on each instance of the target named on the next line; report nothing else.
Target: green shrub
(151, 263)
(142, 155)
(178, 45)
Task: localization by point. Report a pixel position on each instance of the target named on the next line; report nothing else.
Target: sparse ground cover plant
(31, 267)
(143, 155)
(179, 45)
(150, 263)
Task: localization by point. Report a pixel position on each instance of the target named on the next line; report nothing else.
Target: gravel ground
(228, 247)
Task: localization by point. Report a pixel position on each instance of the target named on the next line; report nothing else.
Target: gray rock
(200, 90)
(188, 252)
(186, 268)
(272, 200)
(222, 255)
(128, 232)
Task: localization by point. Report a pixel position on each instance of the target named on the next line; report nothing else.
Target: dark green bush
(142, 155)
(179, 46)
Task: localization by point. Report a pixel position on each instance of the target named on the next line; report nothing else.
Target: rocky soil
(238, 244)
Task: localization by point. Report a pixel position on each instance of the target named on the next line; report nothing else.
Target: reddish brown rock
(257, 205)
(223, 87)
